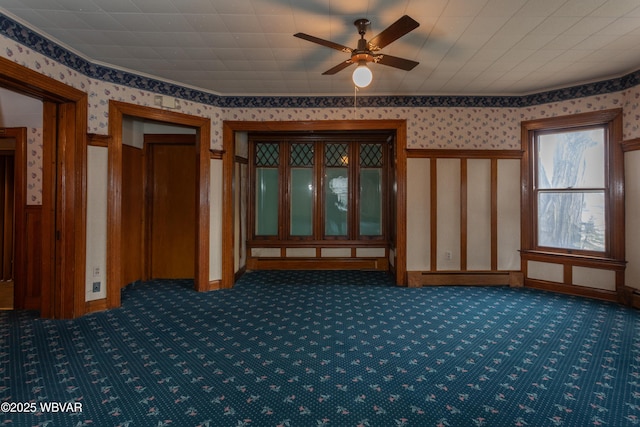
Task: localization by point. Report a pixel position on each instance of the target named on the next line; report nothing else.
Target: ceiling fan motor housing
(367, 50)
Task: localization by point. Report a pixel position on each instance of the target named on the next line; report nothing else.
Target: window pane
(267, 199)
(371, 155)
(336, 155)
(336, 200)
(571, 159)
(370, 202)
(301, 201)
(572, 220)
(301, 155)
(267, 154)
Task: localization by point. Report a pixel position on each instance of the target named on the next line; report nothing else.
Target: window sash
(572, 220)
(566, 216)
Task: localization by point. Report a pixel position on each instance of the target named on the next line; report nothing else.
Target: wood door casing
(132, 215)
(171, 214)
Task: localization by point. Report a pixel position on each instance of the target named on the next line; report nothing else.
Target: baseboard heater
(417, 279)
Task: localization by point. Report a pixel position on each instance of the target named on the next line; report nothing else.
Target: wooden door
(171, 213)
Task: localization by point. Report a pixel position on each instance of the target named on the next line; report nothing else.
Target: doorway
(59, 228)
(171, 206)
(115, 226)
(7, 222)
(15, 246)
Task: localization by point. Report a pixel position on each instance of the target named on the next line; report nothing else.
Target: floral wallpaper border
(38, 43)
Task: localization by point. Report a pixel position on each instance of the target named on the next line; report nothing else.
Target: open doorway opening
(158, 201)
(20, 199)
(7, 221)
(118, 274)
(57, 245)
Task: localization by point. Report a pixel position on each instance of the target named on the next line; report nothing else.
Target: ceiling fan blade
(393, 32)
(341, 66)
(394, 61)
(323, 42)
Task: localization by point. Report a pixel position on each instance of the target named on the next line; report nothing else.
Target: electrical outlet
(447, 255)
(96, 286)
(96, 271)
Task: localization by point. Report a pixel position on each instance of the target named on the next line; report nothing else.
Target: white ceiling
(246, 47)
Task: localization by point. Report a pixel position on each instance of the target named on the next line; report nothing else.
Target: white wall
(96, 222)
(215, 215)
(448, 214)
(418, 214)
(508, 214)
(632, 218)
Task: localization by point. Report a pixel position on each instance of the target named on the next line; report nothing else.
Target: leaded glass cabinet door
(336, 190)
(301, 204)
(267, 189)
(371, 182)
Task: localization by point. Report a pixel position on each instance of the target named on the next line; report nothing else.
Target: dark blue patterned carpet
(325, 349)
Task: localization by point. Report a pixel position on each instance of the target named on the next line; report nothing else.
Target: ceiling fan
(367, 51)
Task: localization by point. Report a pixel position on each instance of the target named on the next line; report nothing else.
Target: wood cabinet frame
(397, 235)
(318, 235)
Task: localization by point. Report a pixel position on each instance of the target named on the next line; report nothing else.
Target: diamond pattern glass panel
(267, 154)
(301, 155)
(371, 155)
(336, 155)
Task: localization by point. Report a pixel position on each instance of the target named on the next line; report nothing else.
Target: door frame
(64, 131)
(117, 110)
(19, 134)
(229, 129)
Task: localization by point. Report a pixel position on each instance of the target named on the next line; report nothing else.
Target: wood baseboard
(465, 278)
(214, 285)
(635, 300)
(95, 305)
(582, 291)
(317, 264)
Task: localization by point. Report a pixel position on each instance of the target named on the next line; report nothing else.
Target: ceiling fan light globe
(362, 76)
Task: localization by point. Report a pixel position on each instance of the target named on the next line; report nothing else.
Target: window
(574, 183)
(570, 189)
(321, 187)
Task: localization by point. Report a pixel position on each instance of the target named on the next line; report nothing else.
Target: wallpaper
(34, 166)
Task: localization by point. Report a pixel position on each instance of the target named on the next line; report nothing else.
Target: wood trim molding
(202, 125)
(95, 140)
(419, 153)
(464, 210)
(216, 154)
(64, 129)
(494, 214)
(573, 260)
(317, 264)
(242, 160)
(572, 289)
(433, 214)
(630, 145)
(95, 305)
(229, 159)
(464, 278)
(214, 285)
(615, 259)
